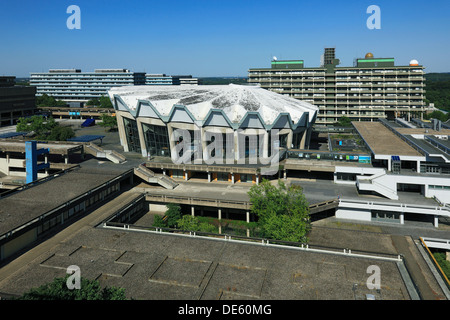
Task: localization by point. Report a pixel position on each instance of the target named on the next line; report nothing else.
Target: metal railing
(255, 241)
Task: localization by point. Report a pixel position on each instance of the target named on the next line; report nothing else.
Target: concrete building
(159, 80)
(163, 79)
(75, 192)
(404, 160)
(97, 219)
(74, 86)
(15, 101)
(241, 118)
(372, 88)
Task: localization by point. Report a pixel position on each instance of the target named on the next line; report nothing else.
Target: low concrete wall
(354, 214)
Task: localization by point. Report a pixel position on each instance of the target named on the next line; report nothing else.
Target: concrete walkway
(427, 286)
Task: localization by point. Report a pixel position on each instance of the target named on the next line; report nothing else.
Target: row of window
(78, 208)
(439, 187)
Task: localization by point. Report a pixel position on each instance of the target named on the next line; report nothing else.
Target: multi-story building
(15, 101)
(72, 85)
(163, 79)
(159, 80)
(373, 88)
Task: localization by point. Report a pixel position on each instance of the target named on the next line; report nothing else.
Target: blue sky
(216, 37)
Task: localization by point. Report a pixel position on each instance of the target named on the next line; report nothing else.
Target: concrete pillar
(436, 221)
(303, 140)
(219, 214)
(46, 161)
(232, 178)
(66, 159)
(402, 218)
(285, 174)
(193, 211)
(447, 255)
(205, 154)
(209, 176)
(418, 166)
(237, 155)
(265, 152)
(289, 139)
(171, 141)
(186, 175)
(164, 171)
(247, 218)
(257, 179)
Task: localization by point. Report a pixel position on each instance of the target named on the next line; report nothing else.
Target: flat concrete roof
(55, 148)
(426, 131)
(382, 141)
(26, 205)
(184, 268)
(428, 148)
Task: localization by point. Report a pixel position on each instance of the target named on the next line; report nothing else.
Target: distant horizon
(217, 38)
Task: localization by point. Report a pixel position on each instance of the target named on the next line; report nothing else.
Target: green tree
(438, 115)
(344, 122)
(192, 223)
(48, 101)
(171, 217)
(105, 102)
(89, 290)
(93, 102)
(37, 124)
(159, 222)
(60, 133)
(283, 212)
(173, 214)
(108, 121)
(45, 129)
(188, 223)
(438, 91)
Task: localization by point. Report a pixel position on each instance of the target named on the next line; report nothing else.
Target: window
(156, 140)
(132, 134)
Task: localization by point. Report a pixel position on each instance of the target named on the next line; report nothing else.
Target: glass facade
(156, 140)
(132, 134)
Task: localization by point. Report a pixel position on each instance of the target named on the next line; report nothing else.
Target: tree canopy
(344, 122)
(438, 115)
(48, 101)
(108, 121)
(89, 290)
(438, 92)
(45, 128)
(172, 215)
(102, 102)
(283, 212)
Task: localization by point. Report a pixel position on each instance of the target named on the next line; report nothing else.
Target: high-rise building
(372, 88)
(15, 101)
(72, 85)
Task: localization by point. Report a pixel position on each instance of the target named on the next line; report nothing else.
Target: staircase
(377, 183)
(98, 152)
(149, 176)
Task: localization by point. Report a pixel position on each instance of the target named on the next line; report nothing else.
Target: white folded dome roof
(234, 100)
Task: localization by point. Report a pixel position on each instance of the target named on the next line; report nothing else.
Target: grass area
(443, 263)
